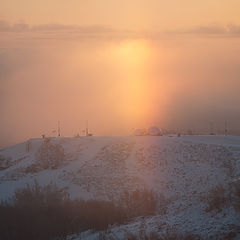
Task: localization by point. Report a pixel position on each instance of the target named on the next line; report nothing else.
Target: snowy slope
(183, 169)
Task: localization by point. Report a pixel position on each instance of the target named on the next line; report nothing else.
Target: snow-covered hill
(183, 169)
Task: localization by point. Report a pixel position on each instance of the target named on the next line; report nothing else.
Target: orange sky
(120, 64)
(137, 14)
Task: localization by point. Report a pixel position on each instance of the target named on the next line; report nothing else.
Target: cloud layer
(211, 30)
(229, 30)
(22, 27)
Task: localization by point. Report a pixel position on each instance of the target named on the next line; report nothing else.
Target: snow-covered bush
(4, 162)
(50, 155)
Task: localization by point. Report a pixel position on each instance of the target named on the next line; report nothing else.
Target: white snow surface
(183, 169)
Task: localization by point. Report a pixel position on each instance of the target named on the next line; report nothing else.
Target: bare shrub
(141, 202)
(216, 199)
(235, 194)
(37, 195)
(34, 212)
(169, 235)
(48, 213)
(130, 236)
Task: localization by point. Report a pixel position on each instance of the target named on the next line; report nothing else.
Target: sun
(133, 54)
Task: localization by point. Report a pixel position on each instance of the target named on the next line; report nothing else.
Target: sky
(121, 65)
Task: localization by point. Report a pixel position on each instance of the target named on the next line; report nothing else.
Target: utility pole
(87, 128)
(225, 128)
(28, 145)
(211, 128)
(59, 130)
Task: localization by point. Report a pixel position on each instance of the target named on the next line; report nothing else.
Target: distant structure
(59, 130)
(211, 128)
(154, 131)
(28, 145)
(76, 135)
(140, 132)
(87, 132)
(225, 128)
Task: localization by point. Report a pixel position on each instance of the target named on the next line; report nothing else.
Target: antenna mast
(87, 128)
(59, 130)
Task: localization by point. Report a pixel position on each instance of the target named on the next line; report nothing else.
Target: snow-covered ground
(184, 169)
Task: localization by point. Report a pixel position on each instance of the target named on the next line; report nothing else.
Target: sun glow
(133, 54)
(133, 59)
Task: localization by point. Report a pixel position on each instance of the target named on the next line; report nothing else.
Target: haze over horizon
(119, 65)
